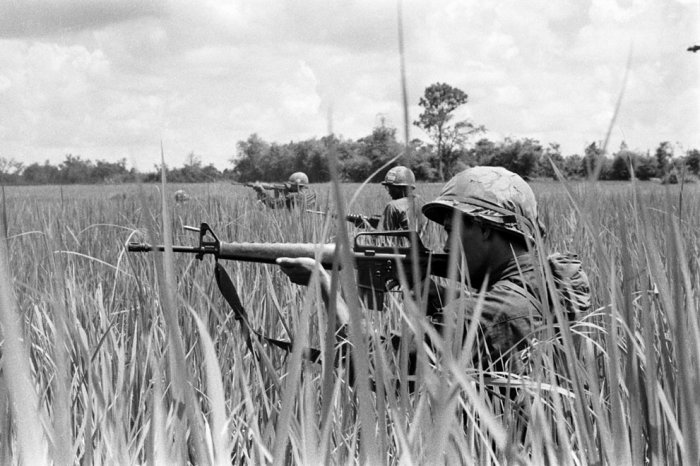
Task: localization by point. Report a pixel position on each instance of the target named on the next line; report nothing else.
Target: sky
(113, 79)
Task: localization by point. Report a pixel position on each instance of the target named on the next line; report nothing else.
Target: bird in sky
(693, 48)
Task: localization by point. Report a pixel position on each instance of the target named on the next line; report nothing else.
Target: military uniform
(403, 214)
(304, 199)
(512, 306)
(294, 195)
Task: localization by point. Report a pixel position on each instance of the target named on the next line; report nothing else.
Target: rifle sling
(230, 294)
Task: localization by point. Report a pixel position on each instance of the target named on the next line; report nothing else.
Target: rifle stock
(376, 257)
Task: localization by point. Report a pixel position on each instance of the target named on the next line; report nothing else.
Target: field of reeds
(111, 357)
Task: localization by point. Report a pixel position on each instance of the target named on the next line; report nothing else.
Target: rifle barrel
(145, 247)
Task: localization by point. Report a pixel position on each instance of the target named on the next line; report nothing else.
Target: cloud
(108, 78)
(41, 18)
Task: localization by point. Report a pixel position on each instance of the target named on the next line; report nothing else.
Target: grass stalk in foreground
(16, 366)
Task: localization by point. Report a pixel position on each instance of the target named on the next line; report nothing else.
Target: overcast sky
(110, 79)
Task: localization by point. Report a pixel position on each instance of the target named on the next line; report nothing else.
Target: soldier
(403, 212)
(181, 196)
(490, 217)
(293, 193)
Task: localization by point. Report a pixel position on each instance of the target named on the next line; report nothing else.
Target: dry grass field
(111, 357)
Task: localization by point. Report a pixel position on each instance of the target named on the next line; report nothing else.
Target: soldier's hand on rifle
(299, 270)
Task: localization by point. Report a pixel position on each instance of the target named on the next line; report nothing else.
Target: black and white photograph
(338, 232)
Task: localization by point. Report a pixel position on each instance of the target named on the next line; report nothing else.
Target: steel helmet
(400, 176)
(299, 179)
(181, 196)
(493, 195)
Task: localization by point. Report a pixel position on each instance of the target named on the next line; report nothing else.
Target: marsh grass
(109, 357)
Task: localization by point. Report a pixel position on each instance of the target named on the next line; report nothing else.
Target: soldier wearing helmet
(293, 193)
(490, 217)
(298, 179)
(493, 212)
(403, 212)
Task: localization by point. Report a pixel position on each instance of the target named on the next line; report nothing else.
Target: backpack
(571, 282)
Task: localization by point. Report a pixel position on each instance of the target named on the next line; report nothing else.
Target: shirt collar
(513, 268)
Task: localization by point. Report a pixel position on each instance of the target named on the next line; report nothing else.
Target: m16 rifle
(276, 187)
(379, 257)
(359, 220)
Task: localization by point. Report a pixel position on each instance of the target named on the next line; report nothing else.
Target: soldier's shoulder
(399, 204)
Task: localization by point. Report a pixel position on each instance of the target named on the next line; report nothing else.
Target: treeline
(76, 170)
(259, 160)
(448, 152)
(527, 157)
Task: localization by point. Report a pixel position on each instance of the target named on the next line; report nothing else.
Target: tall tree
(439, 102)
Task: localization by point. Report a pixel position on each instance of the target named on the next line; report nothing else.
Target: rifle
(267, 186)
(378, 257)
(360, 221)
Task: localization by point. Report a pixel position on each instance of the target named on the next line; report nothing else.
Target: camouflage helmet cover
(400, 176)
(299, 179)
(492, 195)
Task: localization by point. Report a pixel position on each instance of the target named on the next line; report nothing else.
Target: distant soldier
(181, 196)
(294, 193)
(403, 212)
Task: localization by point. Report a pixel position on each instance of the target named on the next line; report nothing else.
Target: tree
(620, 168)
(10, 170)
(111, 172)
(573, 167)
(247, 166)
(439, 102)
(41, 174)
(518, 155)
(76, 170)
(380, 147)
(309, 157)
(663, 155)
(644, 167)
(550, 154)
(594, 162)
(692, 160)
(483, 151)
(420, 159)
(193, 171)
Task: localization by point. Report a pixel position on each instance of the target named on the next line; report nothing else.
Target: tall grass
(109, 357)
